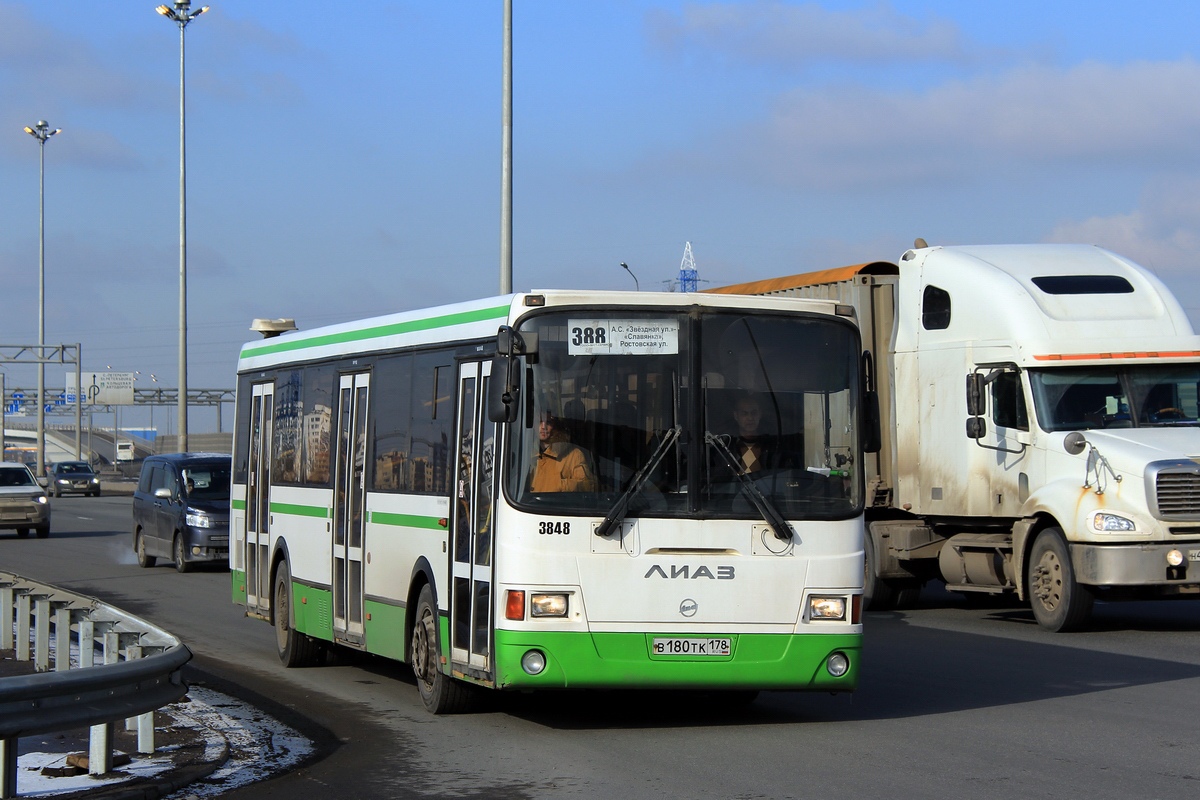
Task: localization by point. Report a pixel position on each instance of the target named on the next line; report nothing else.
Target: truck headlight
(820, 607)
(198, 519)
(548, 605)
(1107, 522)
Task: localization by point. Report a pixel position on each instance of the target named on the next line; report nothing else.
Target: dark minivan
(181, 509)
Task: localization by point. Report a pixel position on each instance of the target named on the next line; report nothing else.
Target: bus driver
(559, 465)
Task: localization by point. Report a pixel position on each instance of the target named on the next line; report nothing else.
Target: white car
(23, 502)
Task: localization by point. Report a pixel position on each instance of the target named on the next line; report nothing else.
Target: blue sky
(344, 159)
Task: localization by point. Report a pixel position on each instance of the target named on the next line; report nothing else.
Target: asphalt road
(955, 701)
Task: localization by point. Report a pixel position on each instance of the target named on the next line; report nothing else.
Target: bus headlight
(1107, 522)
(548, 605)
(820, 607)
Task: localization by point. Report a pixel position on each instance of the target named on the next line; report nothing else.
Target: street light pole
(506, 196)
(41, 132)
(181, 15)
(636, 286)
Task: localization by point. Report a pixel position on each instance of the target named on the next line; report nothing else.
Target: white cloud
(1162, 233)
(1092, 115)
(787, 35)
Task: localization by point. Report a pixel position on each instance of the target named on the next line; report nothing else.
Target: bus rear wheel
(295, 649)
(440, 693)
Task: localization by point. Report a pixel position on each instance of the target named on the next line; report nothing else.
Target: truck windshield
(1136, 396)
(607, 391)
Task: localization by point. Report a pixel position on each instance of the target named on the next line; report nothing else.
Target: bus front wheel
(440, 693)
(295, 649)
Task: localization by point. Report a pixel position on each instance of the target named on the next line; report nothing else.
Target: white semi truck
(1040, 425)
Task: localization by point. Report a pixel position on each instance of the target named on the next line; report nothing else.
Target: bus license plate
(691, 647)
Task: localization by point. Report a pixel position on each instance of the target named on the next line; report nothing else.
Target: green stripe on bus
(383, 625)
(285, 344)
(615, 660)
(407, 520)
(237, 505)
(297, 510)
(237, 579)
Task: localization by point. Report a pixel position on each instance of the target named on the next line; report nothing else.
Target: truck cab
(1041, 419)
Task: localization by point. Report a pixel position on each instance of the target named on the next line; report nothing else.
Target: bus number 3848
(548, 528)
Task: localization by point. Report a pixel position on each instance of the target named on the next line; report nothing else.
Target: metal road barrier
(125, 669)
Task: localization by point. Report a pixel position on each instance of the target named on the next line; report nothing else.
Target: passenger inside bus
(559, 465)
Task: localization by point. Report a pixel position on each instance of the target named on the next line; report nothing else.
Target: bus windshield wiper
(617, 513)
(765, 507)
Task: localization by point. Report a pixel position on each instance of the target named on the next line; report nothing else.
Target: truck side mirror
(976, 427)
(976, 402)
(872, 429)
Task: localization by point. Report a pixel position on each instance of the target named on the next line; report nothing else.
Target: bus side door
(258, 494)
(471, 509)
(349, 502)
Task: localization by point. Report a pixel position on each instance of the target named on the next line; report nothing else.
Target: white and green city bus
(383, 497)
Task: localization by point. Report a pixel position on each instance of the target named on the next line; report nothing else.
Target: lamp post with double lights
(181, 14)
(41, 132)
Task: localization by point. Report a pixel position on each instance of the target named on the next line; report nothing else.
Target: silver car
(23, 502)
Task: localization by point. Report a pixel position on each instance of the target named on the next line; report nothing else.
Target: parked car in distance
(23, 502)
(181, 509)
(65, 477)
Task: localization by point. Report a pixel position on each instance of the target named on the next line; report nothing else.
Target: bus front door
(257, 552)
(349, 500)
(474, 493)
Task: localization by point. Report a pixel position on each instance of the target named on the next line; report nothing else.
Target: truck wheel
(884, 594)
(295, 649)
(877, 594)
(440, 693)
(1059, 602)
(143, 560)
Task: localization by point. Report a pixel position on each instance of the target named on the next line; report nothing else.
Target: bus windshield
(1136, 396)
(675, 413)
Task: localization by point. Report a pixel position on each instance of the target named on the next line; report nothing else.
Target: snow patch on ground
(258, 745)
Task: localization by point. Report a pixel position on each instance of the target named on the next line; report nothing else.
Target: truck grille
(1177, 490)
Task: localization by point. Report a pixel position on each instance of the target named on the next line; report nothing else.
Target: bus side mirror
(504, 389)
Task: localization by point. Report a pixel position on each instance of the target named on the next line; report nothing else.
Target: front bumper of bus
(575, 660)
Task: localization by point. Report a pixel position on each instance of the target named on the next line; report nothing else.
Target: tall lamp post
(41, 132)
(181, 14)
(506, 196)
